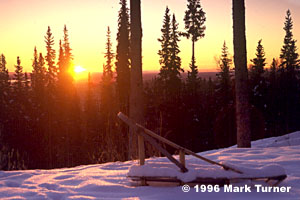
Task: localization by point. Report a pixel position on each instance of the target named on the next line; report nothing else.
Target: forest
(43, 124)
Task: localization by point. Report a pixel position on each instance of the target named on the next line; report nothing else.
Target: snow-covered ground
(109, 181)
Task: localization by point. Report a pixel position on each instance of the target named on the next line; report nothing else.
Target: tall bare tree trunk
(241, 75)
(136, 104)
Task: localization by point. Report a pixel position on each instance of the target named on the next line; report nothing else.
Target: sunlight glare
(79, 69)
(79, 73)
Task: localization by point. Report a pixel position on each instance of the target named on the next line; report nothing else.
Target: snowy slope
(108, 181)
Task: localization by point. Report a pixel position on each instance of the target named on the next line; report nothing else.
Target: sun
(79, 73)
(79, 69)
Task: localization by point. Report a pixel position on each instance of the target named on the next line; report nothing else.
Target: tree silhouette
(107, 84)
(123, 58)
(194, 20)
(4, 95)
(241, 75)
(224, 85)
(257, 69)
(50, 58)
(288, 54)
(169, 59)
(289, 83)
(257, 82)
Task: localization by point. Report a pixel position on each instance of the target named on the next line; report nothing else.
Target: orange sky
(23, 25)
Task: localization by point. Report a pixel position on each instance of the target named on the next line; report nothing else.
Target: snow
(109, 181)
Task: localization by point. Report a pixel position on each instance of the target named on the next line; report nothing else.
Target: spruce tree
(107, 80)
(164, 52)
(224, 85)
(289, 84)
(194, 20)
(109, 55)
(4, 79)
(68, 109)
(52, 96)
(50, 58)
(257, 80)
(289, 56)
(169, 59)
(224, 126)
(19, 78)
(61, 59)
(123, 58)
(175, 60)
(67, 50)
(257, 68)
(18, 118)
(4, 94)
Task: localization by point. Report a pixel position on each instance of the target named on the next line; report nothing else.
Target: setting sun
(79, 72)
(79, 69)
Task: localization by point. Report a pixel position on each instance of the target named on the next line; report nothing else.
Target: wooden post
(182, 156)
(141, 145)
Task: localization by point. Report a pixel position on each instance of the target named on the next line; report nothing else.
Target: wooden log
(163, 151)
(141, 145)
(182, 156)
(130, 122)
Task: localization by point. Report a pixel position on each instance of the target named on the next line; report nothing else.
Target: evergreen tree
(257, 68)
(224, 85)
(194, 20)
(122, 58)
(52, 96)
(164, 52)
(4, 80)
(289, 56)
(289, 84)
(50, 58)
(108, 110)
(107, 82)
(273, 101)
(38, 76)
(19, 78)
(175, 61)
(109, 55)
(68, 145)
(257, 80)
(67, 50)
(169, 59)
(61, 58)
(18, 118)
(224, 128)
(4, 94)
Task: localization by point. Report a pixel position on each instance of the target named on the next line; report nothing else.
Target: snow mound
(109, 181)
(292, 139)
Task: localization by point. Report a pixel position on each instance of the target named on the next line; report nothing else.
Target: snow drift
(109, 181)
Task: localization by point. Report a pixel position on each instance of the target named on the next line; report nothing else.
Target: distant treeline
(43, 125)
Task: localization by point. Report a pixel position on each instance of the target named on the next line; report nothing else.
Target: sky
(23, 26)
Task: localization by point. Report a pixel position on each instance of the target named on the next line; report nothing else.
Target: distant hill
(96, 76)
